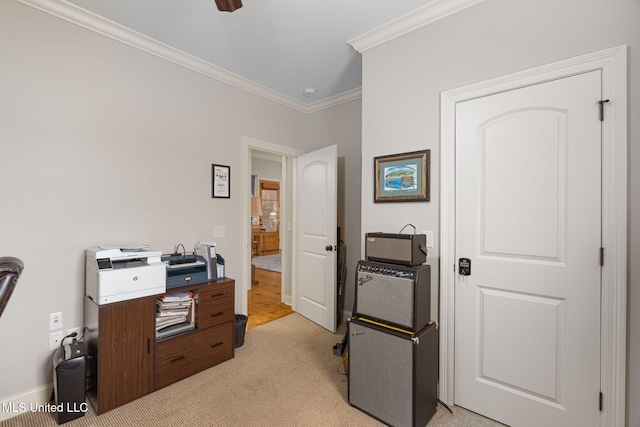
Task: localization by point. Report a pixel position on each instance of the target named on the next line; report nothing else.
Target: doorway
(307, 175)
(265, 296)
(283, 157)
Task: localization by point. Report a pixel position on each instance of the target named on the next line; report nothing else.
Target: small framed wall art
(402, 177)
(220, 181)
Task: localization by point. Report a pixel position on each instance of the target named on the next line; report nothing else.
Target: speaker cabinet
(394, 294)
(404, 249)
(393, 375)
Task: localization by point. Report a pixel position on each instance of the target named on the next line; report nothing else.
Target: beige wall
(102, 143)
(403, 79)
(266, 169)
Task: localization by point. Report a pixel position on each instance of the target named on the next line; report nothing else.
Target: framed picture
(402, 177)
(220, 181)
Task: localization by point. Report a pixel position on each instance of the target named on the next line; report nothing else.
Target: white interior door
(528, 217)
(316, 216)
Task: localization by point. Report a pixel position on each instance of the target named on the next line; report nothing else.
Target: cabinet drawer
(215, 305)
(183, 356)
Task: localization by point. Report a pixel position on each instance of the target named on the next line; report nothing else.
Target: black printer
(184, 269)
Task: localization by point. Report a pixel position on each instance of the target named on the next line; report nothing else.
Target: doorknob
(328, 248)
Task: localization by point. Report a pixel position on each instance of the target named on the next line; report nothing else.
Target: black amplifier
(394, 294)
(404, 249)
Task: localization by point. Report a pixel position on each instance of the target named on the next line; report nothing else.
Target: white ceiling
(283, 45)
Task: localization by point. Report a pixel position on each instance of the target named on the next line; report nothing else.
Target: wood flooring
(265, 300)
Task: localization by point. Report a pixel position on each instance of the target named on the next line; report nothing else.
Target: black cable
(82, 336)
(72, 334)
(184, 252)
(414, 228)
(445, 405)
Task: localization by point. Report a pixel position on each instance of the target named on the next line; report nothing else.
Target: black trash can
(241, 326)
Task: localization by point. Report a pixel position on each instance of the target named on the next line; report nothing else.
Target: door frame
(613, 65)
(288, 267)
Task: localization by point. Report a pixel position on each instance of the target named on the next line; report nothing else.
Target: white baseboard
(24, 402)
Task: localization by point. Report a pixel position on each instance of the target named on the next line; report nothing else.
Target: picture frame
(402, 177)
(220, 181)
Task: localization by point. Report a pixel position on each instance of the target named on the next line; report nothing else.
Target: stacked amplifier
(393, 345)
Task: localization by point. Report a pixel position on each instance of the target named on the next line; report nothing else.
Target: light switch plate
(429, 234)
(218, 231)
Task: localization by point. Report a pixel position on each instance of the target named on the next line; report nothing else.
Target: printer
(185, 269)
(120, 273)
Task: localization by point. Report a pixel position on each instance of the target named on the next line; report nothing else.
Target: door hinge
(601, 255)
(600, 403)
(601, 108)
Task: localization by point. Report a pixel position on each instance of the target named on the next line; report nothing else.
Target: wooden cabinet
(266, 241)
(188, 354)
(270, 219)
(121, 340)
(129, 363)
(209, 344)
(271, 241)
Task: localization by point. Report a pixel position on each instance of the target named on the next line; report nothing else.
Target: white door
(528, 217)
(316, 216)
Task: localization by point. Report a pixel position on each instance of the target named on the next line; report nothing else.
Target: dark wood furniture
(130, 363)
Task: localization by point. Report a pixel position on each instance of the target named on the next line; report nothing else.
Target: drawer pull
(217, 295)
(218, 314)
(217, 345)
(176, 359)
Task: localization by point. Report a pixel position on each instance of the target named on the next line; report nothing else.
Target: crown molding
(333, 101)
(83, 18)
(418, 18)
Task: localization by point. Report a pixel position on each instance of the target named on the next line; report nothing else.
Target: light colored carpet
(268, 262)
(285, 374)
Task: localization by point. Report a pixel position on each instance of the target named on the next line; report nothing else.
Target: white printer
(120, 273)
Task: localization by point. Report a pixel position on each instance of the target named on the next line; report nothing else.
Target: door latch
(464, 267)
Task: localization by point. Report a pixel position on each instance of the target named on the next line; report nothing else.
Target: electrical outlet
(429, 234)
(76, 330)
(55, 321)
(55, 339)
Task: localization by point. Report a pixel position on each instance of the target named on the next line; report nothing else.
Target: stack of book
(174, 314)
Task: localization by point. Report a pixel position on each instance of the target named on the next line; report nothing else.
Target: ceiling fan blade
(228, 5)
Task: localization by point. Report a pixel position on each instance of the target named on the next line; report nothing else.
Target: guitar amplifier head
(404, 249)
